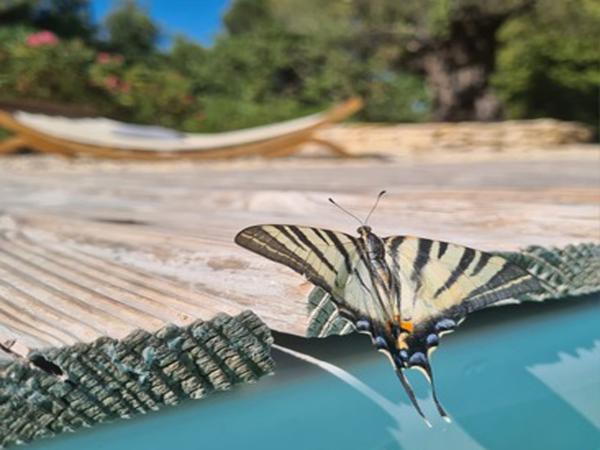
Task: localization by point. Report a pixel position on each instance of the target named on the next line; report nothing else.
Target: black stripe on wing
(511, 282)
(317, 254)
(333, 236)
(420, 261)
(460, 269)
(459, 275)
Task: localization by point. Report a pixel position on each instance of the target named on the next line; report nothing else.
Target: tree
(266, 68)
(15, 12)
(66, 18)
(131, 32)
(452, 43)
(245, 16)
(187, 56)
(456, 50)
(549, 62)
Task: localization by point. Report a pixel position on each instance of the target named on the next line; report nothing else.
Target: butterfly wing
(442, 283)
(317, 254)
(324, 318)
(325, 258)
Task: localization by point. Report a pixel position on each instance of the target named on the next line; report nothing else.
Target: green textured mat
(112, 379)
(569, 271)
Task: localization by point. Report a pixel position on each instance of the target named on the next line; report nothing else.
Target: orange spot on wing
(407, 325)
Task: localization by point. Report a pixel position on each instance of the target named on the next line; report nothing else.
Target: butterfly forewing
(328, 259)
(324, 257)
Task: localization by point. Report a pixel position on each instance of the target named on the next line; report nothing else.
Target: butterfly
(404, 291)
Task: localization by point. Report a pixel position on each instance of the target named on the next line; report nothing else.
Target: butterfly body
(405, 292)
(381, 280)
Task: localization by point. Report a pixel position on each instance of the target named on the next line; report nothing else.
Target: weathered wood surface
(101, 249)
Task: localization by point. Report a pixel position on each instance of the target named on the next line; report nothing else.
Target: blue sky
(199, 20)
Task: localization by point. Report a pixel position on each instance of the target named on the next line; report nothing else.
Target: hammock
(101, 137)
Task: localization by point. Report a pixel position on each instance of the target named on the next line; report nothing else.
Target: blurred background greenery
(411, 60)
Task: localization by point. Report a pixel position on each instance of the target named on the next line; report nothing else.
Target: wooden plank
(111, 379)
(101, 249)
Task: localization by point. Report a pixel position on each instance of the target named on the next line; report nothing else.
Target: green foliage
(279, 59)
(246, 16)
(186, 56)
(15, 12)
(146, 94)
(264, 75)
(398, 97)
(270, 66)
(222, 113)
(4, 134)
(548, 64)
(66, 18)
(131, 31)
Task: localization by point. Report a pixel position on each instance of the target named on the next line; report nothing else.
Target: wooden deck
(90, 249)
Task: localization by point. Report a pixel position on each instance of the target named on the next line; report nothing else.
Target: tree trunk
(458, 68)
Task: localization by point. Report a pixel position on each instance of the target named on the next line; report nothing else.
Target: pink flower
(125, 87)
(103, 58)
(41, 38)
(111, 82)
(107, 58)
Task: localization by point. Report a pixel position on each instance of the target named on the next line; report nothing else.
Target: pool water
(518, 377)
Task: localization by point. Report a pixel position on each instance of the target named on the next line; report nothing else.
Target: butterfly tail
(411, 394)
(425, 367)
(438, 405)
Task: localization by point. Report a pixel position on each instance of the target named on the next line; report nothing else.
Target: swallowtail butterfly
(405, 292)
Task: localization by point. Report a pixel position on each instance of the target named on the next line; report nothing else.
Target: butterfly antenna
(411, 395)
(381, 194)
(345, 210)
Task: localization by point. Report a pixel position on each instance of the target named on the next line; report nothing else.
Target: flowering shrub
(103, 58)
(41, 38)
(38, 65)
(144, 93)
(108, 58)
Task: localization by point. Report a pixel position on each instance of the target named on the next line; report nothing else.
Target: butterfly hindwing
(442, 283)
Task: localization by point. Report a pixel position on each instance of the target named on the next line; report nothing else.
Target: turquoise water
(522, 377)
